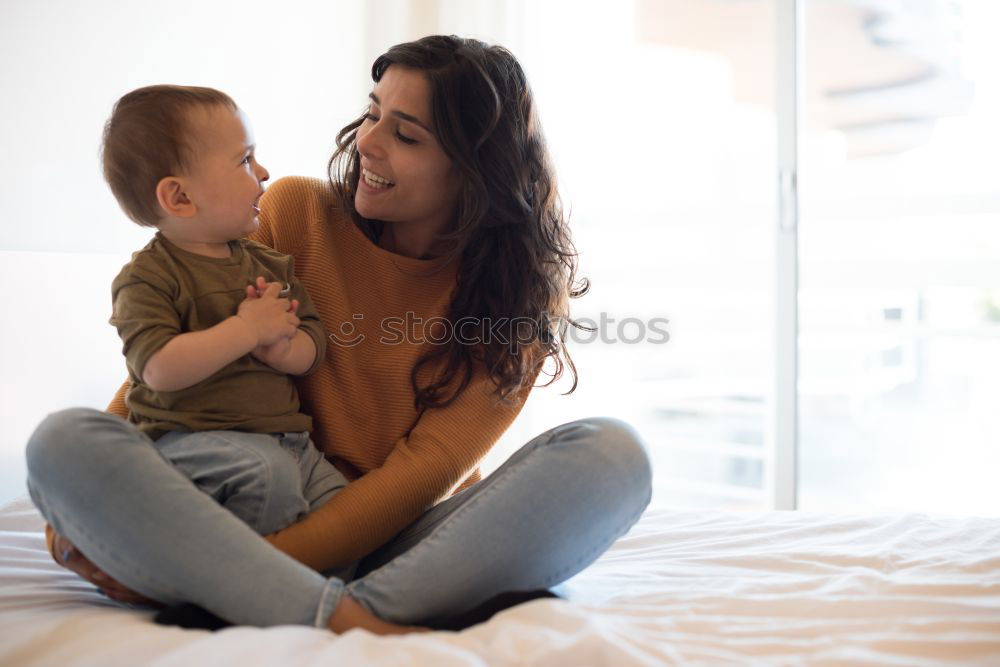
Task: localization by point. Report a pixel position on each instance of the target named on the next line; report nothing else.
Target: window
(900, 258)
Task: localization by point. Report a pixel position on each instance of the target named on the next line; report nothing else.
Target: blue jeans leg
(549, 511)
(260, 477)
(100, 482)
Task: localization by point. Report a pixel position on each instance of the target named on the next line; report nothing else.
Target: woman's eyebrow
(401, 114)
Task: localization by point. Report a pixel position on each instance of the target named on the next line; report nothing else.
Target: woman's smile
(375, 181)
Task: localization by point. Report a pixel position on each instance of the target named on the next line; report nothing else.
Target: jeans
(269, 480)
(549, 511)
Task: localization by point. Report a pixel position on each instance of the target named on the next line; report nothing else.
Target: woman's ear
(172, 199)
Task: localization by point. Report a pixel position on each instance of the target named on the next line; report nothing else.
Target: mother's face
(405, 175)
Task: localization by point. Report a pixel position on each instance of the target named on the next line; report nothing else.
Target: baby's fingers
(261, 285)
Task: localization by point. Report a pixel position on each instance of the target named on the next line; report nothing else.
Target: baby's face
(225, 180)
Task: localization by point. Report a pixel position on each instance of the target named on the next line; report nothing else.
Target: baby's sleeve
(309, 320)
(145, 315)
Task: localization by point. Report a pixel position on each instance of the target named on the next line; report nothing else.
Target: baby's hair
(147, 138)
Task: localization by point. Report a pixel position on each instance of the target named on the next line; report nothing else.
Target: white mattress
(684, 587)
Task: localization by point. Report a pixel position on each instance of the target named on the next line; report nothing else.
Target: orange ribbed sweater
(402, 461)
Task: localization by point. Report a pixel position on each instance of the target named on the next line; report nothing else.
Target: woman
(440, 259)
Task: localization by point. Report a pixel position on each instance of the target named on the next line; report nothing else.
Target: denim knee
(61, 439)
(622, 454)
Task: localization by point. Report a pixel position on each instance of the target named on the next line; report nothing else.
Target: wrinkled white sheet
(684, 587)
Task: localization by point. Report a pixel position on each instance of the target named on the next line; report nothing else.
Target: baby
(213, 325)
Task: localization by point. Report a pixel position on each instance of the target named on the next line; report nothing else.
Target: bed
(683, 587)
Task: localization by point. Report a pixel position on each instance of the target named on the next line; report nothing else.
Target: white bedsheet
(684, 587)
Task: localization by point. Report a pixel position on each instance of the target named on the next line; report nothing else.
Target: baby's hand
(257, 290)
(275, 352)
(260, 286)
(270, 317)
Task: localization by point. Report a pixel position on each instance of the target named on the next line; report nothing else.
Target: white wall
(298, 73)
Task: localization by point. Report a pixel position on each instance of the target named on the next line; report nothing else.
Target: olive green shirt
(166, 291)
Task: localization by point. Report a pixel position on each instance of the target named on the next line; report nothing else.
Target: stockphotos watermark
(413, 330)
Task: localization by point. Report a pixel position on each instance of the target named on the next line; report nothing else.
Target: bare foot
(349, 615)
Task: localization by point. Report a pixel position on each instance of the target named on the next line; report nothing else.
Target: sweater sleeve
(117, 405)
(426, 465)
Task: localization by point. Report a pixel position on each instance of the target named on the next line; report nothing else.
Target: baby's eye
(247, 159)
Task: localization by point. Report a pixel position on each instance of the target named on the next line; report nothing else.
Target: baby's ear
(172, 199)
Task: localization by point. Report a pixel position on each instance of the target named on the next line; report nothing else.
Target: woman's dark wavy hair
(510, 234)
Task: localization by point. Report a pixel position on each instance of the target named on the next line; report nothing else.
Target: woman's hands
(276, 351)
(73, 559)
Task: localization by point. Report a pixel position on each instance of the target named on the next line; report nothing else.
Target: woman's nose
(370, 142)
(262, 173)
